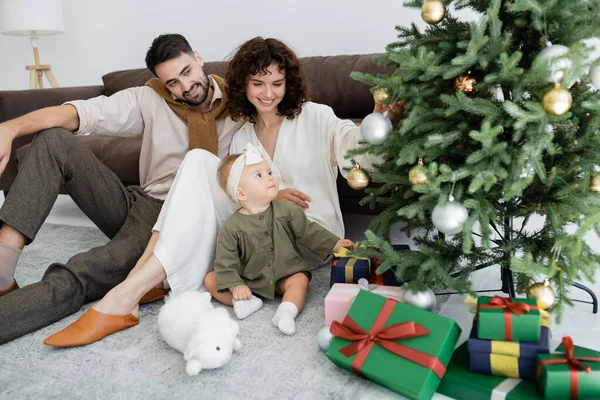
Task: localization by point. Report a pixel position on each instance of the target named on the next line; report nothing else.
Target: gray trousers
(125, 215)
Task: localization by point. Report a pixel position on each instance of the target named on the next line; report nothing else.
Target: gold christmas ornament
(543, 293)
(465, 83)
(433, 11)
(557, 101)
(358, 178)
(381, 95)
(595, 184)
(417, 175)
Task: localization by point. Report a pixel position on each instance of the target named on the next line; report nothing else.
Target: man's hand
(395, 110)
(294, 196)
(241, 292)
(343, 243)
(6, 139)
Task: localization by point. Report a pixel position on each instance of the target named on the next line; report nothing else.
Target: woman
(306, 143)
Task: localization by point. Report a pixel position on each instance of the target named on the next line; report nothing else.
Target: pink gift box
(340, 296)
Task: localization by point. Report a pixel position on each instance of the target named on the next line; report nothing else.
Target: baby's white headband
(251, 155)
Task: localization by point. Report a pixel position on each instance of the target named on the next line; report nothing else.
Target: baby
(257, 247)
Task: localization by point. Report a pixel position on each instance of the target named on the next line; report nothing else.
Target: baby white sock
(285, 316)
(245, 308)
(9, 255)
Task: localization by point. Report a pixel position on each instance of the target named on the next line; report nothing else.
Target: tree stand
(507, 275)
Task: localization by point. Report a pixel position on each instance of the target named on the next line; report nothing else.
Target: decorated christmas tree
(501, 126)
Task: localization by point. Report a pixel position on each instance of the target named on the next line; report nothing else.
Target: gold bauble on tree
(595, 184)
(358, 178)
(417, 175)
(381, 95)
(557, 101)
(433, 11)
(465, 83)
(543, 293)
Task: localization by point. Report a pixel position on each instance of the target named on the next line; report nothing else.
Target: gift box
(346, 269)
(401, 347)
(460, 383)
(501, 318)
(388, 278)
(574, 373)
(509, 359)
(341, 295)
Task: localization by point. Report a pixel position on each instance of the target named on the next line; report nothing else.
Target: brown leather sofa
(328, 79)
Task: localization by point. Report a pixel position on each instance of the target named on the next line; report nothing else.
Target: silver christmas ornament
(324, 338)
(449, 218)
(424, 299)
(375, 128)
(527, 171)
(595, 76)
(557, 65)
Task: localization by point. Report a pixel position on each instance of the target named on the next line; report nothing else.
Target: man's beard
(200, 97)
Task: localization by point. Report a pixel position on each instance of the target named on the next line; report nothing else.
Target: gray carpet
(136, 363)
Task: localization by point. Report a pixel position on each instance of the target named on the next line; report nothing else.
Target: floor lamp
(33, 18)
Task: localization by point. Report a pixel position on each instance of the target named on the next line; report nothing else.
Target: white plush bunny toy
(206, 336)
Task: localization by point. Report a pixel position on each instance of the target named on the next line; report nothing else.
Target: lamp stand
(37, 71)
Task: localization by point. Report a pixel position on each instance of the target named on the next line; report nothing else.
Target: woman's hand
(347, 243)
(241, 292)
(294, 196)
(395, 110)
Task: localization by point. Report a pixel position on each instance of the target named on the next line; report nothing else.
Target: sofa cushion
(120, 154)
(329, 82)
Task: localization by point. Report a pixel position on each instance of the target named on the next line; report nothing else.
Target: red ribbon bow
(572, 362)
(510, 308)
(384, 337)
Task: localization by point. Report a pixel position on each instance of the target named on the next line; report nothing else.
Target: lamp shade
(31, 17)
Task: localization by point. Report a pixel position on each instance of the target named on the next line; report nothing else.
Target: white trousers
(190, 220)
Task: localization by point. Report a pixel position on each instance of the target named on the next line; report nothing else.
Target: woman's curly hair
(254, 57)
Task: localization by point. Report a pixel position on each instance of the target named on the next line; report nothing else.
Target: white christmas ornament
(449, 218)
(425, 299)
(595, 76)
(324, 338)
(557, 67)
(375, 128)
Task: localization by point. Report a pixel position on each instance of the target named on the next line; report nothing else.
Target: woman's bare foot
(118, 302)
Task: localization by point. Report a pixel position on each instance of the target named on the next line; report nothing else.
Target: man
(182, 110)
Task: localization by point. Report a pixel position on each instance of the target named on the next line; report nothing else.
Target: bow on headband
(251, 155)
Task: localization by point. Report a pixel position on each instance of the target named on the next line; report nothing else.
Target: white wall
(107, 35)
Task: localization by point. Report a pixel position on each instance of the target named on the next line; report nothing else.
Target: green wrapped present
(501, 318)
(401, 347)
(460, 383)
(573, 374)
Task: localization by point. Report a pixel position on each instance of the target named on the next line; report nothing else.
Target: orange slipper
(153, 295)
(91, 327)
(11, 288)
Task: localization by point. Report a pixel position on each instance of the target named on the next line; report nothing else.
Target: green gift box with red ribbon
(401, 347)
(508, 319)
(574, 374)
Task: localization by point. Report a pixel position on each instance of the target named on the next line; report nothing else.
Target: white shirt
(141, 111)
(309, 150)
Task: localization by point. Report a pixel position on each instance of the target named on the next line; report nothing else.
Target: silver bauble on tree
(450, 217)
(557, 65)
(424, 299)
(375, 128)
(595, 76)
(324, 338)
